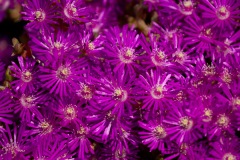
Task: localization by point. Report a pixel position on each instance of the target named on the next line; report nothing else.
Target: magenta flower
(68, 111)
(103, 124)
(41, 14)
(51, 46)
(75, 11)
(115, 93)
(27, 105)
(26, 75)
(62, 75)
(225, 149)
(121, 48)
(183, 125)
(80, 142)
(155, 91)
(157, 53)
(221, 13)
(154, 135)
(14, 144)
(199, 36)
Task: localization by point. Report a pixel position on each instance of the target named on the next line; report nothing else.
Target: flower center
(179, 57)
(26, 102)
(70, 112)
(126, 55)
(157, 92)
(207, 116)
(223, 13)
(229, 156)
(236, 101)
(82, 132)
(40, 15)
(160, 132)
(26, 76)
(186, 123)
(63, 72)
(57, 45)
(120, 94)
(223, 121)
(70, 10)
(46, 127)
(85, 92)
(91, 46)
(12, 148)
(186, 7)
(208, 70)
(158, 57)
(226, 76)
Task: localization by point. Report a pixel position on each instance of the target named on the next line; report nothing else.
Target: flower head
(41, 14)
(26, 75)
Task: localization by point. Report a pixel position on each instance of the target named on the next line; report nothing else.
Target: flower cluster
(90, 85)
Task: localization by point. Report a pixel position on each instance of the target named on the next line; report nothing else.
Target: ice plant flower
(183, 125)
(114, 93)
(121, 48)
(79, 141)
(14, 144)
(157, 53)
(198, 35)
(68, 110)
(61, 76)
(154, 90)
(103, 124)
(221, 13)
(25, 74)
(50, 46)
(27, 105)
(154, 135)
(75, 11)
(41, 14)
(224, 149)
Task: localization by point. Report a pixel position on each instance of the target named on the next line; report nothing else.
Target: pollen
(207, 116)
(158, 57)
(70, 112)
(223, 13)
(179, 57)
(40, 15)
(157, 92)
(82, 130)
(26, 76)
(208, 70)
(126, 55)
(85, 92)
(186, 122)
(223, 121)
(26, 101)
(91, 46)
(120, 94)
(226, 76)
(186, 7)
(12, 148)
(160, 132)
(58, 45)
(46, 127)
(70, 11)
(236, 101)
(63, 72)
(229, 156)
